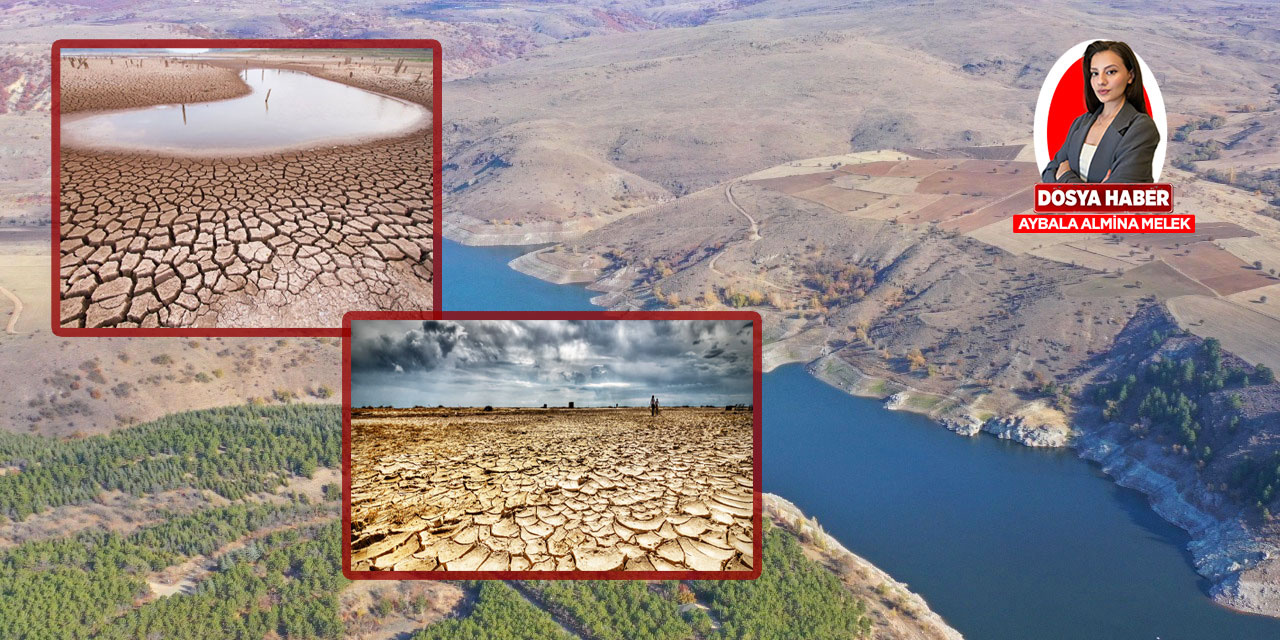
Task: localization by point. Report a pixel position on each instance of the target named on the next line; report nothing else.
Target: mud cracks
(291, 239)
(563, 490)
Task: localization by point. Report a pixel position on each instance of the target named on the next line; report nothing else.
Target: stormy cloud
(535, 362)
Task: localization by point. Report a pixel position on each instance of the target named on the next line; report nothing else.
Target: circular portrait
(1100, 117)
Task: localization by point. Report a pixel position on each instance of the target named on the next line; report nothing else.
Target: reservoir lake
(1003, 541)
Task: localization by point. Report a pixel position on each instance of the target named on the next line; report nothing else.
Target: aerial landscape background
(848, 171)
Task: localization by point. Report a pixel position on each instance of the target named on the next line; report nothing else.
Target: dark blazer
(1126, 150)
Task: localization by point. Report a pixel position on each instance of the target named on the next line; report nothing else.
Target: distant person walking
(653, 405)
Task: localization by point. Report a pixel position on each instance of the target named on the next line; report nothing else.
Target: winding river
(1003, 541)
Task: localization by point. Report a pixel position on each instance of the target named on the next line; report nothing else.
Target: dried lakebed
(284, 239)
(283, 110)
(553, 490)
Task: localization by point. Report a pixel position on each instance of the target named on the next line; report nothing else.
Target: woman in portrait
(1115, 139)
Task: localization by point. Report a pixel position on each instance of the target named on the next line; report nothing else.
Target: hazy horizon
(528, 363)
(645, 405)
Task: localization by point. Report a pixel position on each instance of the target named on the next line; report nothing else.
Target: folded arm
(1136, 153)
(1055, 172)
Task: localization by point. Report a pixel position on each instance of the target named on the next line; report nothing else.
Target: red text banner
(1103, 198)
(1105, 223)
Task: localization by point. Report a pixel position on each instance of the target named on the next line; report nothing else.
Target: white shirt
(1086, 158)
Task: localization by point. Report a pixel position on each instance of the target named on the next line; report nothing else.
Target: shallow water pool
(303, 112)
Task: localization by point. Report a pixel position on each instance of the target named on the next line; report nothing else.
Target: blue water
(1003, 541)
(303, 111)
(478, 279)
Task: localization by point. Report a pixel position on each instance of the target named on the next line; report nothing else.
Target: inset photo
(229, 188)
(573, 447)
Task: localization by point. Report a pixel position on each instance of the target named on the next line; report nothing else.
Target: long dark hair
(1132, 93)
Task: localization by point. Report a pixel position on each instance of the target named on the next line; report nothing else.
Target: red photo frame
(757, 509)
(275, 332)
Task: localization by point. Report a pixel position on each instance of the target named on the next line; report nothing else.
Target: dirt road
(17, 310)
(752, 236)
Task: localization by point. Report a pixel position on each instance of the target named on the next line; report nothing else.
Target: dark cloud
(420, 349)
(524, 363)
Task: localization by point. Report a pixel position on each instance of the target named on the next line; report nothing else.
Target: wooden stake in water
(268, 95)
(184, 114)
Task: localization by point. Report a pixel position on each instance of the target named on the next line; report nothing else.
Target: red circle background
(1068, 104)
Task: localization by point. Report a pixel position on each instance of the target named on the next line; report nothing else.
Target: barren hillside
(580, 133)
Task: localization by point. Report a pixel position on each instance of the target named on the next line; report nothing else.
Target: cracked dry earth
(149, 82)
(551, 490)
(290, 239)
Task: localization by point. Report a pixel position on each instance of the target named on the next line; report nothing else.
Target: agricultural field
(1242, 330)
(558, 489)
(976, 192)
(961, 194)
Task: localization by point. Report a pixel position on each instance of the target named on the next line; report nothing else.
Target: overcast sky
(526, 363)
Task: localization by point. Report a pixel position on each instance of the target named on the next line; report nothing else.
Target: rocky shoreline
(953, 413)
(1015, 428)
(531, 264)
(474, 232)
(1223, 550)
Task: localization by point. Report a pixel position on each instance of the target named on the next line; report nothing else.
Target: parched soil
(840, 199)
(290, 239)
(183, 578)
(152, 241)
(996, 152)
(960, 194)
(1219, 270)
(1152, 279)
(23, 278)
(946, 208)
(998, 178)
(111, 511)
(565, 490)
(362, 622)
(801, 182)
(1019, 202)
(1251, 249)
(1243, 331)
(912, 168)
(89, 387)
(978, 315)
(1083, 254)
(1265, 300)
(150, 81)
(413, 83)
(875, 168)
